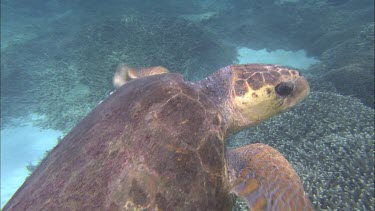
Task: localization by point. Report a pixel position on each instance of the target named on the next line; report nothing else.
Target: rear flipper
(125, 73)
(261, 175)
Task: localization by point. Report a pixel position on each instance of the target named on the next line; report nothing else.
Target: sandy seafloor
(21, 145)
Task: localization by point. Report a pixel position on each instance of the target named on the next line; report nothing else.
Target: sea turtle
(158, 143)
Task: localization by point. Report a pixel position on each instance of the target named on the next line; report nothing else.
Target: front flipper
(261, 175)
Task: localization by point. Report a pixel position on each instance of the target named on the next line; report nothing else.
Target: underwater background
(58, 58)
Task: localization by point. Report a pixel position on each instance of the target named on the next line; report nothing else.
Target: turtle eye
(284, 88)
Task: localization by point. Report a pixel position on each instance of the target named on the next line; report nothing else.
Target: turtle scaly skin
(158, 143)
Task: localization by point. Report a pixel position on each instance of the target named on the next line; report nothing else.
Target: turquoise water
(21, 145)
(58, 59)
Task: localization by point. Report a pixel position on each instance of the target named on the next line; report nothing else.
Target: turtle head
(261, 91)
(248, 94)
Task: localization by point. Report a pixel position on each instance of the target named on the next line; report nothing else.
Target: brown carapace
(158, 143)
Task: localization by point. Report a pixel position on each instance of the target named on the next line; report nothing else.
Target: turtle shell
(155, 143)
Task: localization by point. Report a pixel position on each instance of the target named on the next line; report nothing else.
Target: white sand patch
(297, 59)
(19, 146)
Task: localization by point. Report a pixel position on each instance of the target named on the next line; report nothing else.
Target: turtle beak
(300, 91)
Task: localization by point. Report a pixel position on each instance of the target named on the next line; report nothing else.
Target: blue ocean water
(58, 59)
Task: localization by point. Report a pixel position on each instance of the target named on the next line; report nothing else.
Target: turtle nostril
(284, 88)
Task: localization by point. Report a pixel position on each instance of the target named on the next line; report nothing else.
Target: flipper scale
(265, 179)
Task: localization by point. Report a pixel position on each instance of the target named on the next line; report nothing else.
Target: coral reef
(339, 33)
(62, 67)
(177, 44)
(73, 81)
(355, 80)
(329, 139)
(349, 65)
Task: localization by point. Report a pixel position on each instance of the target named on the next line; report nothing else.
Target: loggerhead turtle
(157, 143)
